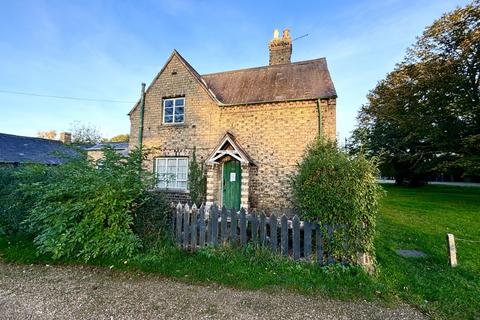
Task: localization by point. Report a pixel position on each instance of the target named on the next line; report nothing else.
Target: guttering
(142, 110)
(274, 101)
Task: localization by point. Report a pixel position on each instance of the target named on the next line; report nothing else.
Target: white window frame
(174, 183)
(174, 107)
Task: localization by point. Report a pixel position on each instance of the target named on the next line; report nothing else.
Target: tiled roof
(283, 82)
(301, 80)
(20, 149)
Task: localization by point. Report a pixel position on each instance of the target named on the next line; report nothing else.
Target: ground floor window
(172, 173)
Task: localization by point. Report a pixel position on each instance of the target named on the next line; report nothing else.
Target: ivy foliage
(197, 182)
(84, 210)
(333, 188)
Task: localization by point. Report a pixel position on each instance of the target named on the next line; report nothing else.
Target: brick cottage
(249, 127)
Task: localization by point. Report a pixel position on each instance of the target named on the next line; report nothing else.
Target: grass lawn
(409, 219)
(419, 219)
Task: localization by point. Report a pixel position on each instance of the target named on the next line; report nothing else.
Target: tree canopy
(424, 117)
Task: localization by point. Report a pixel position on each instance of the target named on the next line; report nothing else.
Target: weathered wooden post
(452, 251)
(273, 232)
(284, 235)
(201, 226)
(193, 227)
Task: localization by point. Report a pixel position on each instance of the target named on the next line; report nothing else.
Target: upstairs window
(173, 110)
(172, 173)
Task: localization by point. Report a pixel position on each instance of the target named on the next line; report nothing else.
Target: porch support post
(210, 185)
(244, 191)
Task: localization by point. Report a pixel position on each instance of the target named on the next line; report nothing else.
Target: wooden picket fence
(194, 228)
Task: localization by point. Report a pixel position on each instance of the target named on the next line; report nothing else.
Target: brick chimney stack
(280, 48)
(66, 137)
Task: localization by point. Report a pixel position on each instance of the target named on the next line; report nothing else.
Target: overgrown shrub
(84, 211)
(152, 219)
(14, 202)
(334, 188)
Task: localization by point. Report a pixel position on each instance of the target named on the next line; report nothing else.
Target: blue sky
(105, 49)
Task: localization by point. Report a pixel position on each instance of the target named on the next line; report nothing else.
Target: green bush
(85, 210)
(14, 202)
(334, 188)
(152, 219)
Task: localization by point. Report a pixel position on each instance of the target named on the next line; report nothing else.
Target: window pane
(172, 165)
(179, 110)
(182, 163)
(179, 118)
(168, 111)
(168, 103)
(168, 119)
(182, 184)
(161, 184)
(160, 166)
(179, 102)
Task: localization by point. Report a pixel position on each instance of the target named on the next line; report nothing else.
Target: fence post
(330, 258)
(186, 225)
(178, 222)
(452, 251)
(233, 226)
(254, 226)
(262, 228)
(273, 232)
(284, 234)
(214, 224)
(193, 228)
(307, 240)
(223, 224)
(319, 246)
(296, 237)
(201, 226)
(243, 227)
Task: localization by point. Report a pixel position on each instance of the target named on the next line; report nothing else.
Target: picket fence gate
(194, 228)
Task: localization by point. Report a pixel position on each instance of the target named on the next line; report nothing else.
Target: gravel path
(59, 292)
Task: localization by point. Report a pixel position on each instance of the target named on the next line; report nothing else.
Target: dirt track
(58, 292)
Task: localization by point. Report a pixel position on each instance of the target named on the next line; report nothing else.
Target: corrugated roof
(292, 81)
(20, 149)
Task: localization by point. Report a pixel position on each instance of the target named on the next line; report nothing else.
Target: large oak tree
(424, 117)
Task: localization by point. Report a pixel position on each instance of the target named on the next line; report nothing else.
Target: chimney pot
(280, 48)
(66, 137)
(275, 34)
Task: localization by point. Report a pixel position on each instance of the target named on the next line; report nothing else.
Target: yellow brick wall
(273, 134)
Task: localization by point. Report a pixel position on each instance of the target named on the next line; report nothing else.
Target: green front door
(232, 173)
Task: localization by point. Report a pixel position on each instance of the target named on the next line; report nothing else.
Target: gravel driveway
(66, 292)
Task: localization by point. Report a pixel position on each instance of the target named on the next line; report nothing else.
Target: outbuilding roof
(19, 149)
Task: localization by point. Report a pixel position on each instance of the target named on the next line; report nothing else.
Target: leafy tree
(333, 188)
(85, 133)
(51, 134)
(197, 182)
(424, 117)
(120, 138)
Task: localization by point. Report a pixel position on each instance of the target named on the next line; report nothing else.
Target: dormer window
(173, 110)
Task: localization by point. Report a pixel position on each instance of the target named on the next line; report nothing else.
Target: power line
(300, 37)
(63, 97)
